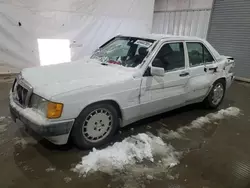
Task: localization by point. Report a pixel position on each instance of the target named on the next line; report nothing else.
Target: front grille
(21, 91)
(21, 94)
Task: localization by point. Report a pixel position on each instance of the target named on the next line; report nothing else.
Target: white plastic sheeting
(86, 23)
(182, 17)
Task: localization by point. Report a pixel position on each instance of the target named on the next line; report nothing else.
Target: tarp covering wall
(86, 23)
(182, 17)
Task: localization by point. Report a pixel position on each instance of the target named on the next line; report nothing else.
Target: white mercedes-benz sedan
(126, 79)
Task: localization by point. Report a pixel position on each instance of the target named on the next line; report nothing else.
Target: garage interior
(38, 33)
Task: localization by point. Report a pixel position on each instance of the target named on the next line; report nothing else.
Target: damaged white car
(127, 79)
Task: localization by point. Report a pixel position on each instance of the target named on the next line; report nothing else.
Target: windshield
(125, 51)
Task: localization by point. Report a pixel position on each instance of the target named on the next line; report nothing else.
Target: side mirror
(157, 68)
(157, 71)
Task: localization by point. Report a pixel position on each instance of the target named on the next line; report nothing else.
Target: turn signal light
(54, 110)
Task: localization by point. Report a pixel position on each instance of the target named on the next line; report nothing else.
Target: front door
(202, 74)
(159, 94)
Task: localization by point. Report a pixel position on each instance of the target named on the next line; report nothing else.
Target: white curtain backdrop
(86, 23)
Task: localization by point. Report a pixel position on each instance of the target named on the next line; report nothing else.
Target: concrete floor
(216, 156)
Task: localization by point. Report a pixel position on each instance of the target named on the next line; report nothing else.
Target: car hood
(48, 81)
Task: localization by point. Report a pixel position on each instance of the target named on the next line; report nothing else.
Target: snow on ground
(50, 169)
(3, 128)
(21, 142)
(123, 160)
(169, 135)
(130, 151)
(201, 121)
(67, 179)
(3, 124)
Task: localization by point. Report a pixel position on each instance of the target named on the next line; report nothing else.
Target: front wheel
(95, 126)
(216, 95)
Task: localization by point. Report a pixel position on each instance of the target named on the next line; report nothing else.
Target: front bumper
(56, 132)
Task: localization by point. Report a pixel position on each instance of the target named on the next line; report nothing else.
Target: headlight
(38, 103)
(47, 108)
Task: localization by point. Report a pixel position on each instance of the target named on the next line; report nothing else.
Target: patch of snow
(126, 153)
(27, 168)
(224, 113)
(67, 179)
(136, 174)
(149, 177)
(201, 121)
(3, 128)
(50, 169)
(170, 135)
(2, 118)
(21, 141)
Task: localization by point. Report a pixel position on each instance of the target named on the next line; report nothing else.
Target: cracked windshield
(125, 51)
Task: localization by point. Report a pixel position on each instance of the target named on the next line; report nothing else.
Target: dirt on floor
(214, 155)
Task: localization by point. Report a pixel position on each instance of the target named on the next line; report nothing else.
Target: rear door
(202, 69)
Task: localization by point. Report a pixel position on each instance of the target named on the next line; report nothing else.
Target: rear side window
(198, 54)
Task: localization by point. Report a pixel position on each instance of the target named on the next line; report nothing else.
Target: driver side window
(170, 57)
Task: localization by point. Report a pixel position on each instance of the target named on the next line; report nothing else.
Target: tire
(92, 123)
(210, 101)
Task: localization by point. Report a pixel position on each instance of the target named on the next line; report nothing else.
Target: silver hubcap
(218, 93)
(97, 125)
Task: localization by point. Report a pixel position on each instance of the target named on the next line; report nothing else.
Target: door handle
(184, 74)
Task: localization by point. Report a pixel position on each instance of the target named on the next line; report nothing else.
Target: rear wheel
(216, 95)
(95, 126)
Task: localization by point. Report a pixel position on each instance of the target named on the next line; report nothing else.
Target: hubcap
(218, 93)
(97, 125)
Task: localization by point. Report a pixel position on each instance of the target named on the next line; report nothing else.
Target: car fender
(125, 95)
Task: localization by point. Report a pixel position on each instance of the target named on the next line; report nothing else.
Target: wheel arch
(223, 79)
(106, 101)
